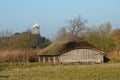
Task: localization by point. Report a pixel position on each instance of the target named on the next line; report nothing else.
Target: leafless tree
(72, 31)
(76, 25)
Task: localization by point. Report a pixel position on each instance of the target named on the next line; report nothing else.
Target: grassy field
(39, 71)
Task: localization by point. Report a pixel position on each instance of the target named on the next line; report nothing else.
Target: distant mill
(35, 29)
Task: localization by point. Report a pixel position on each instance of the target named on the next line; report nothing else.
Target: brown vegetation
(114, 56)
(116, 37)
(18, 55)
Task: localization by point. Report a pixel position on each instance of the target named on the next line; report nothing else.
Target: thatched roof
(58, 48)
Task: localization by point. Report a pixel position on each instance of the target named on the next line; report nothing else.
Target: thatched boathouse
(71, 52)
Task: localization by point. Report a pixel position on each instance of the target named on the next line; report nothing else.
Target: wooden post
(54, 60)
(44, 59)
(39, 59)
(102, 59)
(49, 59)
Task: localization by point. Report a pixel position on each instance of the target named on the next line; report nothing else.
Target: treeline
(23, 41)
(102, 36)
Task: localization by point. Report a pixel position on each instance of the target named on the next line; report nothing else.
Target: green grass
(39, 71)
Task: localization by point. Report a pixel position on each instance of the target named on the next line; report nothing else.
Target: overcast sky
(19, 15)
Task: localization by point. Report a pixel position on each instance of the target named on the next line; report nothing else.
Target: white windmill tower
(35, 29)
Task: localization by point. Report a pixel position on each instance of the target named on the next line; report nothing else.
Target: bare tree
(76, 25)
(72, 32)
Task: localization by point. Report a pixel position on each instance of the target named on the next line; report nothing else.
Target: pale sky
(19, 15)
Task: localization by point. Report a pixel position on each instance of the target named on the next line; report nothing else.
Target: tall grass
(18, 55)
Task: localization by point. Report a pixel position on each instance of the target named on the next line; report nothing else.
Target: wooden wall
(81, 55)
(75, 56)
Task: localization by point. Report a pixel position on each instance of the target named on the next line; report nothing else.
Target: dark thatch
(58, 48)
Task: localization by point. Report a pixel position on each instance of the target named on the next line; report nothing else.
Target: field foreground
(39, 71)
